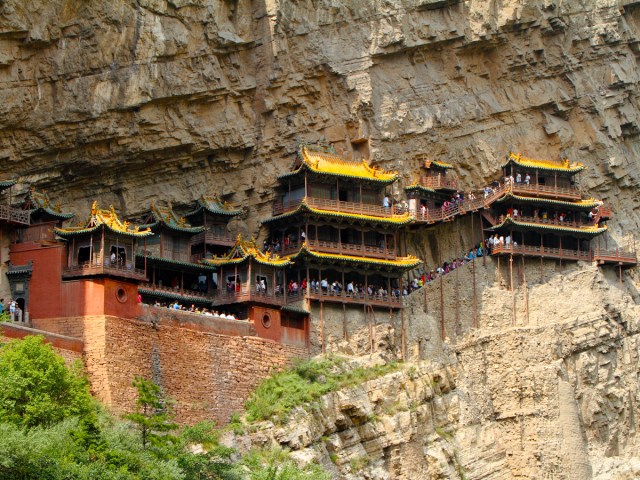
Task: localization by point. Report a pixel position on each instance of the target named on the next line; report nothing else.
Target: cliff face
(130, 101)
(133, 101)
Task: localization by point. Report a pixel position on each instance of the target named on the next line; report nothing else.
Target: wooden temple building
(334, 219)
(541, 212)
(430, 193)
(86, 269)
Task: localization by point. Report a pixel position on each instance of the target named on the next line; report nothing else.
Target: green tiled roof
(403, 219)
(212, 204)
(167, 217)
(173, 295)
(179, 263)
(39, 203)
(400, 263)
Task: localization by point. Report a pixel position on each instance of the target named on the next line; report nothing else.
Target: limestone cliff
(131, 100)
(548, 396)
(134, 101)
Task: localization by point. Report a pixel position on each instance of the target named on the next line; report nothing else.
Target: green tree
(37, 388)
(153, 416)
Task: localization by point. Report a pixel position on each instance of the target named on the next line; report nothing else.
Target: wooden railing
(444, 214)
(351, 249)
(14, 215)
(36, 233)
(104, 267)
(336, 206)
(526, 250)
(617, 256)
(213, 238)
(438, 181)
(182, 292)
(390, 301)
(570, 193)
(246, 293)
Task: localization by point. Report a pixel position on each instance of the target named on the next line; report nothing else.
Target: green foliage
(276, 464)
(4, 317)
(236, 425)
(359, 463)
(153, 415)
(61, 434)
(306, 382)
(37, 388)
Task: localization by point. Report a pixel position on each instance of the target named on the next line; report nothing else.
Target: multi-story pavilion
(337, 222)
(213, 216)
(166, 256)
(541, 212)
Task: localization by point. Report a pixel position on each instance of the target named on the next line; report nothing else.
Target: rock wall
(121, 101)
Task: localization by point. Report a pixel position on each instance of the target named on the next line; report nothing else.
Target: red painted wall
(51, 297)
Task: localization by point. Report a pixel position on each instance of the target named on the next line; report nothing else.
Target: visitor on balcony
(113, 258)
(303, 285)
(518, 178)
(350, 289)
(386, 202)
(527, 179)
(324, 284)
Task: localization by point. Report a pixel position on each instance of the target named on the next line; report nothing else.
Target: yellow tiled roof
(564, 165)
(105, 217)
(402, 262)
(332, 164)
(244, 249)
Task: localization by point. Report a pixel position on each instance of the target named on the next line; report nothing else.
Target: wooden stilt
(442, 330)
(620, 270)
(513, 292)
(403, 340)
(345, 332)
(526, 291)
(322, 327)
(475, 294)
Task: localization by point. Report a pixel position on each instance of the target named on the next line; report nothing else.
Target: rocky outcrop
(554, 397)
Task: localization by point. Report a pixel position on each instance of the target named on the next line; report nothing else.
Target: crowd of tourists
(194, 309)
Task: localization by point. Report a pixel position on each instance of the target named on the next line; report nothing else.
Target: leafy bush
(36, 386)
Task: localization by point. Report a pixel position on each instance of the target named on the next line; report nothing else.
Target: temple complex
(335, 220)
(335, 235)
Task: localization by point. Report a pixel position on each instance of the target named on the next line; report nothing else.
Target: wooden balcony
(169, 292)
(355, 249)
(601, 256)
(336, 206)
(448, 213)
(546, 191)
(387, 301)
(615, 257)
(213, 238)
(245, 293)
(14, 215)
(544, 252)
(441, 182)
(100, 267)
(38, 233)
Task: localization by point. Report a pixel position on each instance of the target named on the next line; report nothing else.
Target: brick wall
(209, 375)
